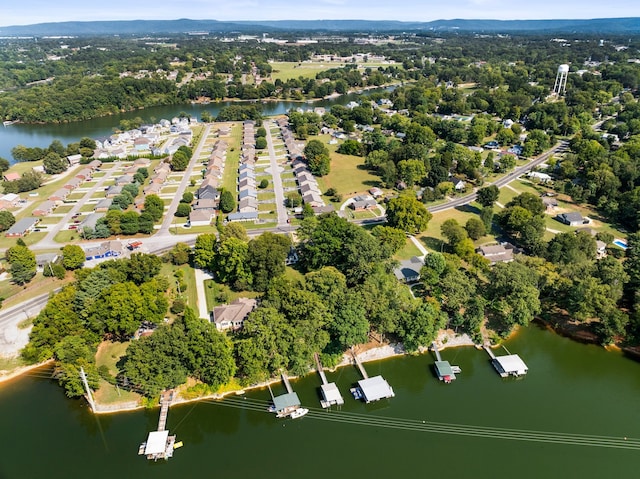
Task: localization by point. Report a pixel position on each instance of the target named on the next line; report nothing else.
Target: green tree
(475, 228)
(454, 233)
(187, 197)
(234, 230)
(4, 165)
(488, 195)
(179, 254)
(72, 257)
(130, 222)
(350, 325)
(266, 258)
(227, 202)
(183, 210)
(154, 205)
(231, 264)
(261, 143)
(179, 162)
(391, 239)
(420, 327)
(408, 214)
(7, 220)
(54, 164)
(22, 263)
(143, 267)
(318, 157)
(204, 251)
(293, 199)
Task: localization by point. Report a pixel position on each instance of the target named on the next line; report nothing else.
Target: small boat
(178, 445)
(271, 408)
(301, 411)
(357, 393)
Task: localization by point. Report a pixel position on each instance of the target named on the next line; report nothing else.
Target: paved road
(277, 179)
(186, 179)
(508, 178)
(12, 338)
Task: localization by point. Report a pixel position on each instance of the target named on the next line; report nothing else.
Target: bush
(263, 183)
(178, 306)
(261, 143)
(183, 210)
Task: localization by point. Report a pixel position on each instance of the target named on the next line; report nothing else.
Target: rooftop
(156, 442)
(375, 388)
(286, 401)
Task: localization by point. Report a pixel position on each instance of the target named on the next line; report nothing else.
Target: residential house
(541, 177)
(458, 184)
(142, 162)
(73, 183)
(152, 188)
(408, 271)
(243, 216)
(45, 208)
(84, 174)
(10, 200)
(108, 249)
(11, 176)
(206, 204)
(376, 192)
(549, 203)
(248, 205)
(124, 180)
(94, 164)
(232, 316)
(500, 253)
(103, 205)
(90, 221)
(201, 217)
(44, 259)
(312, 199)
(362, 203)
(142, 144)
(60, 195)
(247, 182)
(572, 219)
(208, 193)
(113, 191)
(21, 227)
(74, 159)
(247, 192)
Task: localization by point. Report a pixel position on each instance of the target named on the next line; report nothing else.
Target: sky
(25, 12)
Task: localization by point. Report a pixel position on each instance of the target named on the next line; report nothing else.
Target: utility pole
(92, 403)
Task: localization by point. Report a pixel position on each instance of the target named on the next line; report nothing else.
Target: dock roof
(443, 368)
(375, 388)
(156, 442)
(330, 392)
(286, 401)
(512, 364)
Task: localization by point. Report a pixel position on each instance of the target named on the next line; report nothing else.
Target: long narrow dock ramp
(370, 389)
(330, 392)
(159, 444)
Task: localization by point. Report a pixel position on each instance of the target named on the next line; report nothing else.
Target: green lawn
(266, 195)
(432, 237)
(230, 175)
(347, 174)
(64, 209)
(30, 239)
(408, 251)
(15, 294)
(287, 70)
(65, 236)
(191, 294)
(87, 208)
(266, 206)
(215, 292)
(109, 353)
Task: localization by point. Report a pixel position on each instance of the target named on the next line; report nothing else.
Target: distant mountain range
(138, 27)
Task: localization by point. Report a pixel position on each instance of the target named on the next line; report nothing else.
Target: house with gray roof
(408, 271)
(22, 227)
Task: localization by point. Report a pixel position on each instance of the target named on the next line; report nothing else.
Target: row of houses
(247, 187)
(203, 211)
(61, 194)
(307, 185)
(294, 149)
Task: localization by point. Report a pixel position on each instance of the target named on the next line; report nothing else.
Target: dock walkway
(489, 351)
(363, 371)
(165, 402)
(435, 349)
(287, 384)
(323, 376)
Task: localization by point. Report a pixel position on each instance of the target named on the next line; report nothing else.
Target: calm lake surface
(571, 388)
(43, 135)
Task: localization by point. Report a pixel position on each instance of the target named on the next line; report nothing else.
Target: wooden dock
(330, 392)
(363, 371)
(489, 351)
(165, 401)
(159, 444)
(435, 350)
(287, 384)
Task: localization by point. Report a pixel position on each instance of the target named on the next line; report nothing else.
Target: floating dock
(509, 365)
(159, 444)
(445, 371)
(330, 392)
(370, 389)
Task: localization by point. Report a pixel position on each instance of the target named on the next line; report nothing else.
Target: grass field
(15, 294)
(286, 70)
(230, 175)
(215, 291)
(432, 238)
(191, 294)
(408, 251)
(347, 174)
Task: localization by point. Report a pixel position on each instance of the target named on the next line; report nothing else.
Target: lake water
(571, 388)
(43, 135)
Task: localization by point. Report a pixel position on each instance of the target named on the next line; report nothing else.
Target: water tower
(560, 85)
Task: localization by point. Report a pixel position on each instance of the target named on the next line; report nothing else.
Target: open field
(286, 70)
(408, 251)
(347, 175)
(230, 175)
(15, 294)
(189, 278)
(432, 238)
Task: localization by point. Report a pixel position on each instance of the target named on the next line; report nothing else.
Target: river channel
(571, 388)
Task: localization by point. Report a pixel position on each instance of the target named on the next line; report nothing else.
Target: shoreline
(16, 373)
(446, 339)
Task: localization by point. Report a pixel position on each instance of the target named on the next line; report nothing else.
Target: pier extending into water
(444, 370)
(330, 392)
(370, 389)
(509, 365)
(159, 445)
